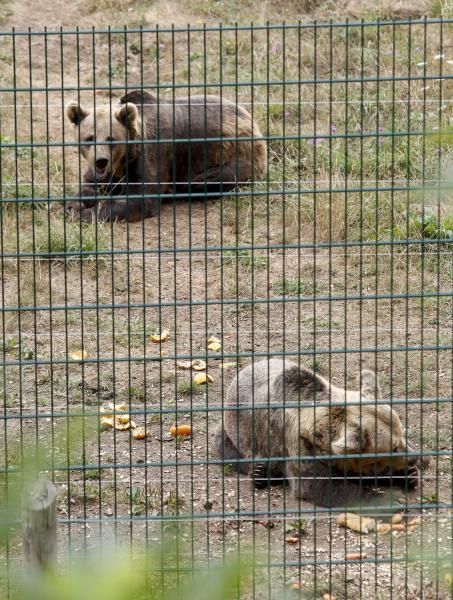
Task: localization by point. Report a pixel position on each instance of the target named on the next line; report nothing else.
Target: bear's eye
(89, 138)
(109, 139)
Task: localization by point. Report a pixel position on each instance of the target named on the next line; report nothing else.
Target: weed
(428, 227)
(430, 499)
(301, 526)
(92, 473)
(294, 287)
(116, 71)
(173, 503)
(137, 499)
(442, 9)
(48, 237)
(11, 344)
(186, 388)
(27, 354)
(136, 394)
(244, 258)
(88, 493)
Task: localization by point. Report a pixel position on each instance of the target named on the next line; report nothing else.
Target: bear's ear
(138, 97)
(369, 385)
(127, 115)
(75, 113)
(349, 443)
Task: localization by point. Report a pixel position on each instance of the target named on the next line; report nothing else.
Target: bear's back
(255, 382)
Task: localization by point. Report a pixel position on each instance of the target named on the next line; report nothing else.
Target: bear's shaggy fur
(143, 150)
(304, 442)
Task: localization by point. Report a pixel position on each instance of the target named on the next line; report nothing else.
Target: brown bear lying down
(307, 441)
(140, 150)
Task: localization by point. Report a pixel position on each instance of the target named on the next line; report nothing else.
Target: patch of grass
(245, 258)
(294, 287)
(136, 393)
(93, 474)
(442, 8)
(11, 344)
(228, 470)
(428, 227)
(49, 237)
(173, 503)
(137, 500)
(117, 71)
(301, 526)
(186, 388)
(435, 438)
(109, 5)
(84, 493)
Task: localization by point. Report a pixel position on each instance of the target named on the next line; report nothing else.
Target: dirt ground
(253, 271)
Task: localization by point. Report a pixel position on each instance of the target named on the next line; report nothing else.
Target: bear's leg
(407, 478)
(77, 205)
(215, 181)
(404, 478)
(267, 473)
(317, 482)
(228, 451)
(118, 209)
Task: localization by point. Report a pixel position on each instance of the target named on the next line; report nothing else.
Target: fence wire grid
(178, 205)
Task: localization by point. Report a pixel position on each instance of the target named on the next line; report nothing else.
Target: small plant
(27, 354)
(116, 71)
(11, 344)
(301, 526)
(136, 394)
(135, 48)
(93, 474)
(186, 388)
(137, 499)
(294, 287)
(228, 470)
(429, 227)
(430, 498)
(244, 258)
(173, 503)
(442, 8)
(84, 493)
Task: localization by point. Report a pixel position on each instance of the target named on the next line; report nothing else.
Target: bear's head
(369, 426)
(355, 423)
(104, 134)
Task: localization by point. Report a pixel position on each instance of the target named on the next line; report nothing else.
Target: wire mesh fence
(207, 235)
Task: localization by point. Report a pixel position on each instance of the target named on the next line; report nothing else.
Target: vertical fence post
(40, 525)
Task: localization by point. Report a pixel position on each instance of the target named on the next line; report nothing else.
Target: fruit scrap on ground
(196, 364)
(139, 433)
(158, 338)
(181, 430)
(117, 419)
(214, 344)
(356, 522)
(79, 355)
(201, 378)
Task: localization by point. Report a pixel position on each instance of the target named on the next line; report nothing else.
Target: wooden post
(40, 525)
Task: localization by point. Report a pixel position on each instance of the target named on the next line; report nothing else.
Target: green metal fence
(333, 250)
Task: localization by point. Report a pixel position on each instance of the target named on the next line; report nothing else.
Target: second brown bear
(334, 446)
(143, 150)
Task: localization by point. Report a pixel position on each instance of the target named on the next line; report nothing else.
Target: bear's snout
(101, 164)
(417, 460)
